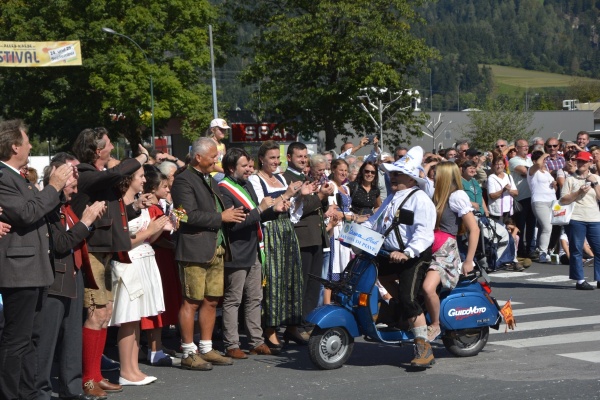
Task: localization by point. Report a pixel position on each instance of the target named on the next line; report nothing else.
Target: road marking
(552, 323)
(540, 310)
(549, 279)
(503, 302)
(551, 340)
(591, 356)
(511, 274)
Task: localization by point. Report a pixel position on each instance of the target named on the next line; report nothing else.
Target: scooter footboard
(331, 316)
(468, 310)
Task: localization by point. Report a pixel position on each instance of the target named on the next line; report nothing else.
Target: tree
(499, 119)
(311, 58)
(584, 90)
(114, 77)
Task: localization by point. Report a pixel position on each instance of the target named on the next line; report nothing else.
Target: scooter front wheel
(466, 342)
(330, 348)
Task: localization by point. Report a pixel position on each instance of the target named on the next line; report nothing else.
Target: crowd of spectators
(153, 241)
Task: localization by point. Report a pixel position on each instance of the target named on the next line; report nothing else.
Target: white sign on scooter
(365, 239)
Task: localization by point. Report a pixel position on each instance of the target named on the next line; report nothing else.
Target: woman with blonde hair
(454, 217)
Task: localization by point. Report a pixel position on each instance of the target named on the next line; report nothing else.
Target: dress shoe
(584, 286)
(90, 388)
(109, 387)
(296, 338)
(107, 364)
(236, 353)
(264, 350)
(194, 362)
(147, 380)
(81, 396)
(215, 358)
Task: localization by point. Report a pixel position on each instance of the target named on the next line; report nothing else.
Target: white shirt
(417, 237)
(540, 186)
(520, 181)
(503, 203)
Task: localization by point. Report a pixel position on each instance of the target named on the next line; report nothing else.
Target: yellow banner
(40, 54)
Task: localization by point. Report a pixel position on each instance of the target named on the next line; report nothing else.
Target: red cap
(584, 156)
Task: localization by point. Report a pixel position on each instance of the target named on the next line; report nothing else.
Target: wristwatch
(593, 184)
(408, 253)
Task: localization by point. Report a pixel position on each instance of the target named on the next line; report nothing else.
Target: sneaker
(433, 332)
(165, 361)
(534, 255)
(423, 354)
(543, 258)
(194, 362)
(584, 286)
(524, 261)
(215, 358)
(589, 262)
(514, 267)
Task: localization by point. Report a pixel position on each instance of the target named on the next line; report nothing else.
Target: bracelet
(147, 157)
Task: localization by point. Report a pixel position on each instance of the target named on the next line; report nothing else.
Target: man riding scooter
(409, 245)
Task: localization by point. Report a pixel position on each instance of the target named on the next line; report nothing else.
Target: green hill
(524, 78)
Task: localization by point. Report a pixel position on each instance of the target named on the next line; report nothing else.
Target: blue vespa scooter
(466, 314)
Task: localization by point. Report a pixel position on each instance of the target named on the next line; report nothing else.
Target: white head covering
(220, 122)
(409, 165)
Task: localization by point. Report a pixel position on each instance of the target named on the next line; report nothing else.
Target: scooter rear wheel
(330, 348)
(467, 342)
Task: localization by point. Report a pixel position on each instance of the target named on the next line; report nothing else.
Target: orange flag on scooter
(509, 318)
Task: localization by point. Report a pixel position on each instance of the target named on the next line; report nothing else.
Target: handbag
(516, 206)
(561, 214)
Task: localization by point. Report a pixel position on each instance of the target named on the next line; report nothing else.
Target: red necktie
(80, 252)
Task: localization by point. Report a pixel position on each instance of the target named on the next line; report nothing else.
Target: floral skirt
(446, 261)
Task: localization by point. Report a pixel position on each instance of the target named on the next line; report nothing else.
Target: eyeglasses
(500, 145)
(572, 159)
(369, 171)
(552, 145)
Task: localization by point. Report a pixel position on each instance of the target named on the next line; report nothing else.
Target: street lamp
(112, 32)
(433, 126)
(378, 105)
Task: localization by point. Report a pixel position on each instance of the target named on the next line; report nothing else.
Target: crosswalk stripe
(552, 323)
(550, 279)
(511, 274)
(550, 340)
(503, 302)
(540, 310)
(591, 356)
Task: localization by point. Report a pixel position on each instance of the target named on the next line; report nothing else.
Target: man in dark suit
(109, 237)
(243, 272)
(57, 327)
(310, 229)
(201, 248)
(26, 269)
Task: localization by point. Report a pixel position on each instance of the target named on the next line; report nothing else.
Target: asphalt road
(554, 353)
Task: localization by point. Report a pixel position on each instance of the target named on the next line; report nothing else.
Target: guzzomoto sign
(40, 54)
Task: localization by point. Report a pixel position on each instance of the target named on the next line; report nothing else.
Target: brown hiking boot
(195, 362)
(423, 354)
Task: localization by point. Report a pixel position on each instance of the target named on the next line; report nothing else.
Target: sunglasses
(552, 145)
(500, 145)
(572, 159)
(369, 171)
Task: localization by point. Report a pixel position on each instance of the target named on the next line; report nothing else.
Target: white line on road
(551, 340)
(552, 323)
(503, 302)
(550, 279)
(540, 310)
(510, 274)
(591, 356)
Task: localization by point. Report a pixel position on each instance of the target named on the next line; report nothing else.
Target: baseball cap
(220, 122)
(584, 156)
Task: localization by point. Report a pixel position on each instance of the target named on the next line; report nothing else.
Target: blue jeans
(577, 233)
